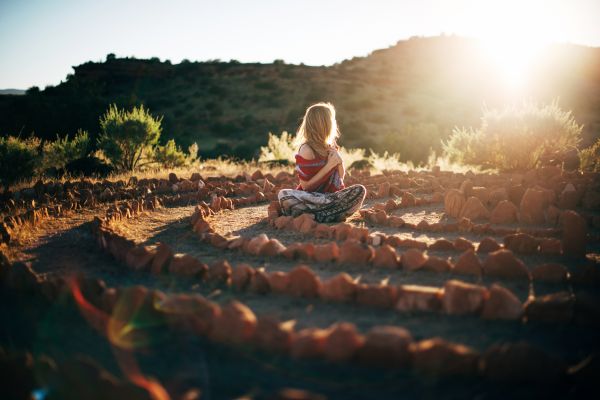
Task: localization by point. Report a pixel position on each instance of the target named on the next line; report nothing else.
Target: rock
(454, 201)
(439, 358)
(488, 245)
(569, 197)
(283, 222)
(381, 296)
(474, 209)
(468, 264)
(520, 362)
(355, 252)
(556, 307)
(550, 246)
(552, 215)
(533, 205)
(496, 196)
(413, 259)
(386, 346)
(462, 244)
(408, 200)
(504, 213)
(340, 288)
(236, 324)
(187, 266)
(386, 257)
(309, 343)
(279, 281)
(140, 258)
(161, 259)
(574, 240)
(323, 231)
(272, 335)
(521, 243)
(190, 312)
(220, 273)
(436, 264)
(297, 250)
(326, 252)
(256, 243)
(360, 234)
(342, 342)
(303, 282)
(271, 248)
(240, 276)
(504, 264)
(173, 178)
(341, 231)
(419, 298)
(383, 190)
(555, 273)
(442, 245)
(259, 283)
(461, 298)
(502, 304)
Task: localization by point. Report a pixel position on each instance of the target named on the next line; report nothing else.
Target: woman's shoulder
(306, 152)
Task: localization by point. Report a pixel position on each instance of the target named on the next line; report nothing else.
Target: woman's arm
(332, 161)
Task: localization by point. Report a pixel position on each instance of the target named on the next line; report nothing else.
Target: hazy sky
(40, 40)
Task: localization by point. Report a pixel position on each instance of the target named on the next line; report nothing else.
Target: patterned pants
(326, 207)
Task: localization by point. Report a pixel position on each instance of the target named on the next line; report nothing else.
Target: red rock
(272, 248)
(533, 205)
(256, 243)
(307, 226)
(359, 234)
(423, 225)
(273, 335)
(187, 266)
(552, 215)
(381, 296)
(497, 195)
(309, 343)
(574, 240)
(555, 307)
(279, 281)
(488, 245)
(303, 219)
(240, 276)
(555, 273)
(386, 346)
(386, 257)
(323, 231)
(474, 210)
(438, 357)
(395, 222)
(139, 258)
(342, 342)
(521, 243)
(238, 243)
(295, 251)
(462, 244)
(419, 298)
(408, 200)
(355, 252)
(454, 201)
(303, 282)
(408, 243)
(468, 264)
(550, 246)
(569, 197)
(383, 190)
(520, 363)
(326, 252)
(218, 241)
(220, 273)
(462, 298)
(466, 188)
(504, 213)
(188, 312)
(504, 264)
(413, 259)
(380, 217)
(259, 283)
(236, 324)
(283, 222)
(502, 304)
(257, 175)
(390, 205)
(161, 260)
(340, 288)
(341, 231)
(436, 264)
(442, 245)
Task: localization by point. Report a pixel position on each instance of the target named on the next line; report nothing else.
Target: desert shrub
(281, 147)
(589, 158)
(127, 136)
(385, 161)
(170, 155)
(18, 158)
(515, 138)
(58, 153)
(350, 156)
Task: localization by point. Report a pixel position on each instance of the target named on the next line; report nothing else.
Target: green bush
(18, 159)
(589, 158)
(128, 137)
(60, 152)
(279, 148)
(515, 138)
(170, 155)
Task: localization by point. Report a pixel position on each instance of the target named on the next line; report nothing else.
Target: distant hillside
(12, 91)
(401, 99)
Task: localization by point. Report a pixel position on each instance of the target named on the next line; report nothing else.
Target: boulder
(340, 288)
(502, 304)
(187, 266)
(408, 200)
(273, 335)
(574, 240)
(271, 248)
(219, 273)
(468, 264)
(488, 245)
(383, 190)
(505, 212)
(303, 282)
(341, 231)
(569, 198)
(386, 257)
(504, 264)
(240, 276)
(461, 298)
(454, 201)
(326, 252)
(279, 281)
(419, 298)
(256, 243)
(309, 343)
(556, 307)
(550, 272)
(386, 346)
(413, 259)
(442, 245)
(533, 205)
(355, 252)
(140, 258)
(474, 209)
(161, 259)
(550, 246)
(437, 264)
(381, 296)
(438, 357)
(259, 282)
(342, 342)
(236, 324)
(462, 244)
(521, 243)
(298, 250)
(323, 231)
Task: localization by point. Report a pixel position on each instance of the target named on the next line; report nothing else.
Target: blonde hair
(319, 128)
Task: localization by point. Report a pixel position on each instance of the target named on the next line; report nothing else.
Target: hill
(402, 99)
(11, 92)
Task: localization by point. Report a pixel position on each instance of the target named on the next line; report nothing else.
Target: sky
(41, 40)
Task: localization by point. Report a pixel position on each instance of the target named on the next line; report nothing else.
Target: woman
(321, 172)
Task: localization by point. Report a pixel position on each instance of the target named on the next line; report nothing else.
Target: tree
(18, 159)
(127, 136)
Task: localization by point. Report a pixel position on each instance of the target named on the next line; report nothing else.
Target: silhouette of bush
(516, 138)
(88, 166)
(18, 159)
(58, 153)
(590, 158)
(128, 136)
